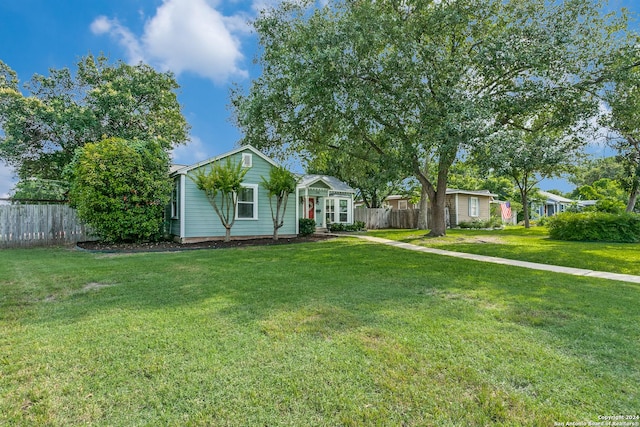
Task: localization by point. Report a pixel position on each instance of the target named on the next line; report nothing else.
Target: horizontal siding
(201, 219)
(463, 206)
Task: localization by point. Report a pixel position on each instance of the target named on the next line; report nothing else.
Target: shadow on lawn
(330, 279)
(322, 291)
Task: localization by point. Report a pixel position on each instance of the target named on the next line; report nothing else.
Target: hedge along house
(325, 199)
(193, 219)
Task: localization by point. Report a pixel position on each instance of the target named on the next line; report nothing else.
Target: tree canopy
(426, 78)
(280, 184)
(64, 111)
(221, 184)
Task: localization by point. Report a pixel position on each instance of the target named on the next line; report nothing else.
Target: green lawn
(340, 332)
(531, 244)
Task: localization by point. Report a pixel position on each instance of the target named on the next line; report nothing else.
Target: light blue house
(192, 218)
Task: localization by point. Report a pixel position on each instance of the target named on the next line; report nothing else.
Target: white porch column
(306, 202)
(297, 210)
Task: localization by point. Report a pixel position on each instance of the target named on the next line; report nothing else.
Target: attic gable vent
(247, 160)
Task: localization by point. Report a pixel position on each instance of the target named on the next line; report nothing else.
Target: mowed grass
(531, 244)
(333, 333)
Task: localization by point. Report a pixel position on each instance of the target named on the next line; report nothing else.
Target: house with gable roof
(191, 218)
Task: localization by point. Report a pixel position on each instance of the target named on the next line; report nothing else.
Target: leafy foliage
(356, 226)
(363, 169)
(481, 224)
(121, 188)
(596, 226)
(64, 111)
(418, 81)
(307, 226)
(35, 190)
(280, 184)
(223, 180)
(624, 118)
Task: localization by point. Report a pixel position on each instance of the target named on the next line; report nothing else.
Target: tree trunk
(525, 207)
(423, 218)
(438, 221)
(227, 235)
(633, 196)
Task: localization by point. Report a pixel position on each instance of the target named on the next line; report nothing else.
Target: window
(247, 160)
(247, 202)
(330, 210)
(474, 206)
(402, 205)
(344, 212)
(175, 197)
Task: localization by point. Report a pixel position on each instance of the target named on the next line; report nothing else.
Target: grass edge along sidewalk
(496, 260)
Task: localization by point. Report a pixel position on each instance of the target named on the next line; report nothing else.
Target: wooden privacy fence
(40, 225)
(387, 218)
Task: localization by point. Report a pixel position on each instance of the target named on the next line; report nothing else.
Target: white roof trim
(255, 151)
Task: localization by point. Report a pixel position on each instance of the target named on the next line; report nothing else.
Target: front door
(311, 208)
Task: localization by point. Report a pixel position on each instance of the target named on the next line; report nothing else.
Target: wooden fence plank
(40, 225)
(387, 218)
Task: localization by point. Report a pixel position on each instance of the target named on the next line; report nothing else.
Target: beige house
(460, 205)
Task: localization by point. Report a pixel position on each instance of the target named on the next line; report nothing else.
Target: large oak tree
(427, 78)
(61, 112)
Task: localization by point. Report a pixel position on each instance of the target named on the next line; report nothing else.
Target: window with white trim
(330, 210)
(247, 207)
(474, 207)
(247, 160)
(402, 205)
(175, 197)
(344, 212)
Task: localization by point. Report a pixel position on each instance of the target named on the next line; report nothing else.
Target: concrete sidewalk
(496, 260)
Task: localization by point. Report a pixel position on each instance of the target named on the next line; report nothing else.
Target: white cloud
(192, 152)
(184, 36)
(126, 39)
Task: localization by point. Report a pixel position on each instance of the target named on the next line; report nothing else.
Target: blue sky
(208, 44)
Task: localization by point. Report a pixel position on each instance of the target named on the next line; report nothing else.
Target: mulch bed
(214, 244)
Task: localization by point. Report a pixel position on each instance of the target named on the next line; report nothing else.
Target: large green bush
(307, 226)
(596, 226)
(121, 188)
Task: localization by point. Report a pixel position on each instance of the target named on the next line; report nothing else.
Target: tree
(430, 78)
(63, 111)
(221, 185)
(280, 184)
(624, 118)
(527, 156)
(362, 170)
(121, 188)
(36, 190)
(591, 170)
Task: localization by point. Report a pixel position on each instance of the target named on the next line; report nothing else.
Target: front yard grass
(531, 244)
(339, 332)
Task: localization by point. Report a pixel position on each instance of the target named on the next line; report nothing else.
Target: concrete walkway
(496, 260)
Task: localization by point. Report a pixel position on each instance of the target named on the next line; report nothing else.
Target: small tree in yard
(120, 188)
(224, 179)
(280, 184)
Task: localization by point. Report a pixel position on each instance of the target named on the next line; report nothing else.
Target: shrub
(596, 226)
(121, 188)
(479, 223)
(356, 226)
(307, 226)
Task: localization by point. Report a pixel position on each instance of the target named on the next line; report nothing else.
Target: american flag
(506, 210)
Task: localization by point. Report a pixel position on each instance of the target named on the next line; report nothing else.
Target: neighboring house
(460, 205)
(325, 199)
(551, 205)
(193, 219)
(399, 203)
